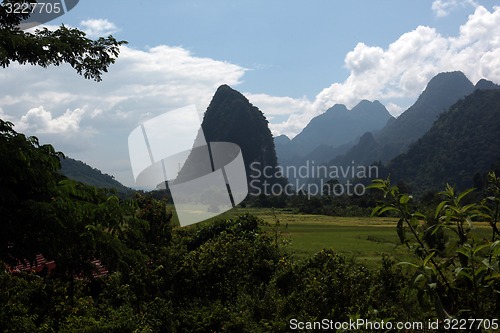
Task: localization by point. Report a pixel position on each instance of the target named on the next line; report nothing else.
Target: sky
(292, 59)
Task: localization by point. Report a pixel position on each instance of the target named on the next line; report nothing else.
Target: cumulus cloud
(146, 83)
(443, 8)
(38, 120)
(84, 118)
(397, 74)
(98, 27)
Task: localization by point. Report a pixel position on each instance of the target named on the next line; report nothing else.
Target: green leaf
(462, 272)
(464, 193)
(404, 199)
(429, 257)
(407, 263)
(480, 247)
(463, 251)
(440, 208)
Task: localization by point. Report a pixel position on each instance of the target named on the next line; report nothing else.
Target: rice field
(365, 238)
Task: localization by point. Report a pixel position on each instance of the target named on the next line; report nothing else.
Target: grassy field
(364, 238)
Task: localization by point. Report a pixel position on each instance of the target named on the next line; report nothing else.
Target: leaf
(480, 247)
(429, 257)
(465, 274)
(386, 209)
(440, 207)
(435, 228)
(376, 210)
(404, 199)
(463, 251)
(376, 184)
(407, 263)
(464, 193)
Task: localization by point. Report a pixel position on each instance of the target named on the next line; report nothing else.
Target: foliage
(228, 275)
(470, 123)
(463, 278)
(44, 47)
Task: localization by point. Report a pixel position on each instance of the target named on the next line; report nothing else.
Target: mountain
(79, 171)
(484, 84)
(463, 144)
(337, 127)
(441, 92)
(230, 117)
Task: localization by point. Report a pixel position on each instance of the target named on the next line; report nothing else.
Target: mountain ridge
(462, 144)
(442, 91)
(336, 127)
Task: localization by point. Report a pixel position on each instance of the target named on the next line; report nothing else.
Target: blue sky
(292, 59)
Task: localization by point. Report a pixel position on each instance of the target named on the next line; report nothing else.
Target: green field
(365, 238)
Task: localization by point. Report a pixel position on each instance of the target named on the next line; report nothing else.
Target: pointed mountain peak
(225, 93)
(369, 106)
(224, 88)
(365, 102)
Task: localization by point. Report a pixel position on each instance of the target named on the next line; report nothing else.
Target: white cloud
(398, 74)
(98, 27)
(146, 83)
(38, 121)
(90, 120)
(443, 8)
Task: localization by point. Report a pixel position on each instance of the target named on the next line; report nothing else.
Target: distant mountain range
(331, 132)
(450, 134)
(441, 92)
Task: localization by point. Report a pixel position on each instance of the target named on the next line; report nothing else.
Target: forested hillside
(459, 149)
(79, 171)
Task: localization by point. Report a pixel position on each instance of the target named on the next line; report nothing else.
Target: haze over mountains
(332, 132)
(382, 144)
(441, 93)
(427, 144)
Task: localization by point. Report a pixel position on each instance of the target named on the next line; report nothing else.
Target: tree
(28, 172)
(88, 57)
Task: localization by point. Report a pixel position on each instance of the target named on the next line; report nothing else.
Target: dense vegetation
(471, 123)
(229, 275)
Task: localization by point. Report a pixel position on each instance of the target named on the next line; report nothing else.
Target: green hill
(462, 143)
(82, 172)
